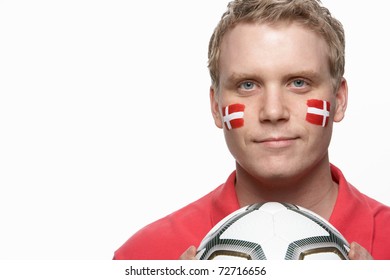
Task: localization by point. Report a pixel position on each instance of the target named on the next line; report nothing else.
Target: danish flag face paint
(318, 112)
(233, 116)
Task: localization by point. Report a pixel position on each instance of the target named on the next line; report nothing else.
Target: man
(277, 87)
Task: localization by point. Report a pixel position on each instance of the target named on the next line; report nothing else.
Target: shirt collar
(224, 200)
(351, 214)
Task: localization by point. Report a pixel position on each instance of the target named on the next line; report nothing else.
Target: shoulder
(369, 221)
(381, 229)
(170, 236)
(361, 218)
(379, 211)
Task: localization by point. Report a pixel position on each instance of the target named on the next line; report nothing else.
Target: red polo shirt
(358, 217)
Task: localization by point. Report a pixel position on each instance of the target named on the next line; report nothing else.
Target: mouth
(277, 142)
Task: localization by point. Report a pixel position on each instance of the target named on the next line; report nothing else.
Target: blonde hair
(309, 13)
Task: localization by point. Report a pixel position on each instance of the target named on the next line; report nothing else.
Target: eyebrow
(235, 78)
(309, 74)
(240, 76)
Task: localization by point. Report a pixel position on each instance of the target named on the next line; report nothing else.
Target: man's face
(274, 70)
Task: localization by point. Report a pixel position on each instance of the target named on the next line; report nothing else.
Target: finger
(357, 252)
(189, 254)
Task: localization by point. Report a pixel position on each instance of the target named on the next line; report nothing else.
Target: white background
(105, 122)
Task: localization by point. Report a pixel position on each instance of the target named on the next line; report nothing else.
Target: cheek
(318, 122)
(318, 139)
(233, 116)
(235, 141)
(318, 112)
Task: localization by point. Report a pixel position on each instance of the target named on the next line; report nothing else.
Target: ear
(214, 102)
(341, 101)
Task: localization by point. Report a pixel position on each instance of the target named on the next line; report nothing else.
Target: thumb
(189, 254)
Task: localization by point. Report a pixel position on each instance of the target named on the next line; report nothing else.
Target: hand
(357, 252)
(189, 254)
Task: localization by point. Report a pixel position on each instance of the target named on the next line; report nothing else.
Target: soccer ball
(273, 231)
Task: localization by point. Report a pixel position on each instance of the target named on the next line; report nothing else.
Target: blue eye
(299, 83)
(247, 85)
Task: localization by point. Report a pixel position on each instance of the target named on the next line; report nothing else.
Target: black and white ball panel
(273, 231)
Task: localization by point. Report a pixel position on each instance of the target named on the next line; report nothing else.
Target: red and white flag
(233, 115)
(318, 112)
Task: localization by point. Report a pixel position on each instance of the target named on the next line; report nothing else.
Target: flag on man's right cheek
(233, 116)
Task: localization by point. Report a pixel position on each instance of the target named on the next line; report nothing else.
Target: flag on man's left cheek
(318, 112)
(233, 116)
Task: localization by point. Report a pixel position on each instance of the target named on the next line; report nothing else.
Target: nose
(273, 107)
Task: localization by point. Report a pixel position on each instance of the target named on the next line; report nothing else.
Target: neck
(314, 190)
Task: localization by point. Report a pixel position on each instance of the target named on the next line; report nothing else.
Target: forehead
(273, 49)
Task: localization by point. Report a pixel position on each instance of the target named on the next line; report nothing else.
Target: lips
(277, 141)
